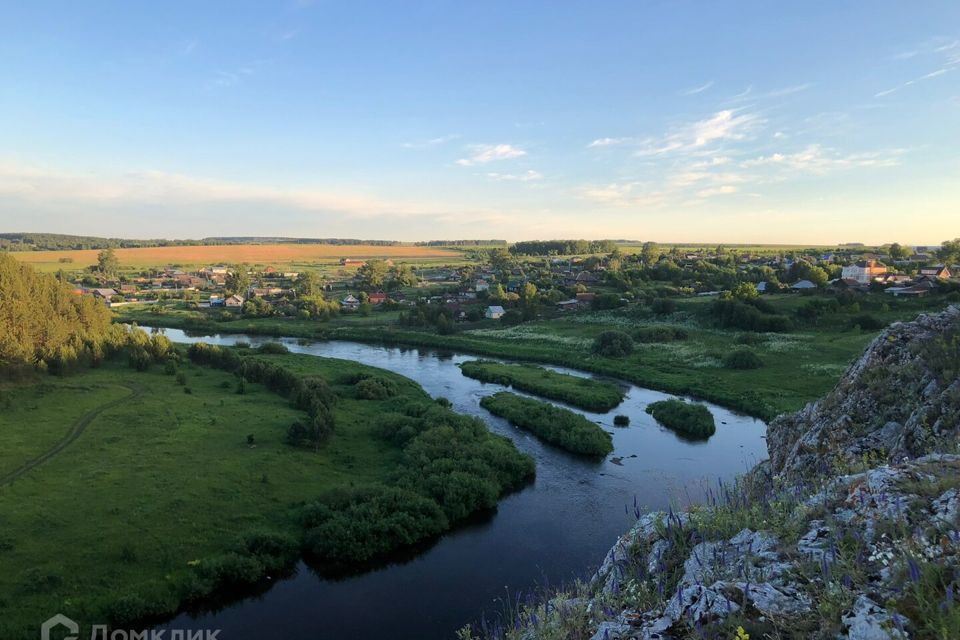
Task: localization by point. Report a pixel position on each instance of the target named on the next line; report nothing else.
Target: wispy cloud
(432, 142)
(728, 124)
(695, 90)
(722, 190)
(484, 153)
(608, 142)
(223, 79)
(926, 76)
(786, 91)
(817, 159)
(527, 176)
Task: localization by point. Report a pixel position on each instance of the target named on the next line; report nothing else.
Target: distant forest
(462, 243)
(61, 242)
(562, 247)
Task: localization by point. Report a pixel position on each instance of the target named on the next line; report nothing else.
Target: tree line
(43, 324)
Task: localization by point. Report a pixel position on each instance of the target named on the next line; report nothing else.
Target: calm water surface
(556, 529)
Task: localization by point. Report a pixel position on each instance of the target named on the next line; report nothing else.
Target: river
(556, 529)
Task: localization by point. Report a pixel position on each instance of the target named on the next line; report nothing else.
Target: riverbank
(782, 386)
(849, 530)
(177, 484)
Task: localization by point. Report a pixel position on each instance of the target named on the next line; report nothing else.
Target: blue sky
(668, 121)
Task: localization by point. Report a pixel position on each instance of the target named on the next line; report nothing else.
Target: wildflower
(742, 634)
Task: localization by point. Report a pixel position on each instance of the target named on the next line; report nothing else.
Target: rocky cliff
(851, 529)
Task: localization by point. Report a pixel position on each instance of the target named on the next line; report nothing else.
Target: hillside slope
(851, 528)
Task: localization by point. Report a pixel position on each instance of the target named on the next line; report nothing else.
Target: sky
(806, 122)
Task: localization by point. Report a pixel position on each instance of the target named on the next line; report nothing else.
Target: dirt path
(76, 430)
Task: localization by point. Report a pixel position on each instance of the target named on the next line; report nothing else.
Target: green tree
(373, 274)
(949, 252)
(650, 253)
(900, 252)
(404, 275)
(528, 293)
(745, 291)
(237, 281)
(308, 283)
(107, 262)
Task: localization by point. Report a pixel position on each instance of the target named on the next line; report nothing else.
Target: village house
(376, 298)
(481, 285)
(494, 312)
(864, 271)
(350, 303)
(586, 297)
(939, 272)
(803, 285)
(568, 305)
(103, 294)
(234, 302)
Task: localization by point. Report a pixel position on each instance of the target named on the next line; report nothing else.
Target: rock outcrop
(851, 529)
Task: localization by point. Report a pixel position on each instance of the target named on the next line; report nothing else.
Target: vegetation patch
(742, 359)
(562, 427)
(690, 419)
(586, 393)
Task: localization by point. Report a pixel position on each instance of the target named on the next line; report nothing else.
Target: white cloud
(608, 142)
(695, 90)
(725, 125)
(817, 160)
(484, 153)
(722, 190)
(432, 142)
(528, 176)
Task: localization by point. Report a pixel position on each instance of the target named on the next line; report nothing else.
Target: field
(145, 479)
(265, 254)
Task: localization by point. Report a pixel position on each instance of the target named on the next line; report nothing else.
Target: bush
(607, 301)
(742, 359)
(689, 419)
(562, 427)
(749, 338)
(663, 306)
(347, 527)
(273, 348)
(621, 421)
(867, 322)
(613, 344)
(660, 333)
(376, 388)
(755, 315)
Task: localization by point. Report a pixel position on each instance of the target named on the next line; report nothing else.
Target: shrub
(621, 421)
(749, 338)
(660, 333)
(756, 315)
(273, 348)
(742, 359)
(613, 344)
(867, 322)
(562, 427)
(663, 306)
(355, 526)
(376, 388)
(689, 419)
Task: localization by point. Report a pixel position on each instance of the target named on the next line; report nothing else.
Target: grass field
(799, 366)
(157, 479)
(265, 254)
(586, 393)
